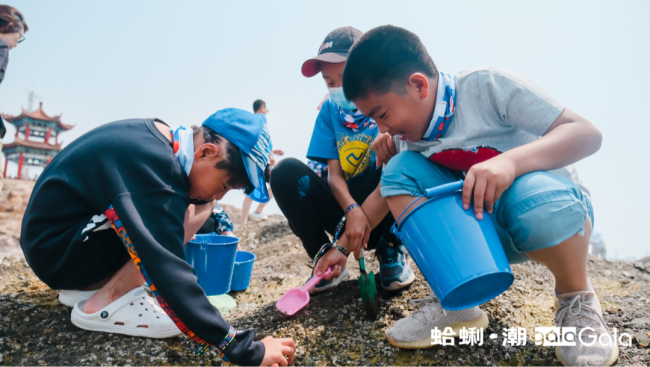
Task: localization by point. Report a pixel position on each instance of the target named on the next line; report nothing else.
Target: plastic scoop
(368, 288)
(297, 298)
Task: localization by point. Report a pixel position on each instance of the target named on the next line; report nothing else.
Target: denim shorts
(539, 210)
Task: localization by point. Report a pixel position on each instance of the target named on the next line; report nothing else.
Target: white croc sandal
(132, 314)
(71, 298)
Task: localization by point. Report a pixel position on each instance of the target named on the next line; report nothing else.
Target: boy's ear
(420, 83)
(208, 150)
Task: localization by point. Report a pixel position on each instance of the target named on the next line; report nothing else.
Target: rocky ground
(332, 330)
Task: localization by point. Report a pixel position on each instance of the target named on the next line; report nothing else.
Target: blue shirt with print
(332, 140)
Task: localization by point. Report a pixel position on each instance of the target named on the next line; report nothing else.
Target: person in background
(12, 30)
(597, 242)
(259, 108)
(218, 222)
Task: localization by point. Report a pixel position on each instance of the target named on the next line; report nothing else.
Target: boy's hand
(488, 180)
(276, 349)
(333, 258)
(357, 229)
(277, 152)
(384, 148)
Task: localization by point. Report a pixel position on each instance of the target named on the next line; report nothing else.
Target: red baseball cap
(333, 50)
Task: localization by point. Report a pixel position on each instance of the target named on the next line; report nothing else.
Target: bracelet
(343, 250)
(323, 250)
(355, 205)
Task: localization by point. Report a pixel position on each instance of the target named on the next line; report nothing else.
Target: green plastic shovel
(368, 288)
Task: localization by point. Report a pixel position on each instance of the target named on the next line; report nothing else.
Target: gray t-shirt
(495, 110)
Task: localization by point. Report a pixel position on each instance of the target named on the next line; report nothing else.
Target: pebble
(642, 338)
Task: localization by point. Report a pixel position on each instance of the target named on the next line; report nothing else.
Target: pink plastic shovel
(297, 298)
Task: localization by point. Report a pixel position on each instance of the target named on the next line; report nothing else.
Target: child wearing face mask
(342, 140)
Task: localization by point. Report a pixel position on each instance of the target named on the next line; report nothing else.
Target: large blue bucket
(241, 275)
(460, 257)
(213, 259)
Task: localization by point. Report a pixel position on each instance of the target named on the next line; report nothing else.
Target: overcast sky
(101, 61)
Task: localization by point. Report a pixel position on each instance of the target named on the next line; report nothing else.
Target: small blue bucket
(213, 259)
(460, 256)
(241, 275)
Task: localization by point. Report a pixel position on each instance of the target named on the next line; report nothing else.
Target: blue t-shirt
(332, 140)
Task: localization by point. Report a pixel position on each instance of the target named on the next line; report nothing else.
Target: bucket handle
(430, 194)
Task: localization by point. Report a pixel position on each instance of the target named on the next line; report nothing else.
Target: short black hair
(258, 104)
(382, 60)
(233, 164)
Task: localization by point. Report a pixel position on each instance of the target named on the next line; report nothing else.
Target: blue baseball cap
(249, 133)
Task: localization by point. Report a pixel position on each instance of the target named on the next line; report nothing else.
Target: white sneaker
(414, 332)
(582, 311)
(258, 216)
(71, 298)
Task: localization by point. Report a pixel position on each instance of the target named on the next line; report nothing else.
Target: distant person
(259, 108)
(597, 242)
(12, 29)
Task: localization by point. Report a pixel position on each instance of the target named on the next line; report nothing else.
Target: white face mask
(337, 96)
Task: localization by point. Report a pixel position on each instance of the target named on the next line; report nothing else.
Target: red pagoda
(37, 139)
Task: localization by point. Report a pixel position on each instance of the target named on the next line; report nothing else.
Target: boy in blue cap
(341, 141)
(513, 144)
(113, 210)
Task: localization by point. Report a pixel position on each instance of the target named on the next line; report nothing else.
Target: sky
(101, 61)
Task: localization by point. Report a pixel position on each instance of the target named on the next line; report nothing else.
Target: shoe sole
(117, 329)
(397, 285)
(479, 322)
(609, 362)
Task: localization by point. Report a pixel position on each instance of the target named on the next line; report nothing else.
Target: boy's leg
(307, 202)
(245, 209)
(129, 277)
(550, 219)
(567, 261)
(404, 179)
(260, 207)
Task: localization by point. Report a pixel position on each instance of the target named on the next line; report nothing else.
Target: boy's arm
(376, 208)
(150, 225)
(520, 103)
(357, 228)
(569, 139)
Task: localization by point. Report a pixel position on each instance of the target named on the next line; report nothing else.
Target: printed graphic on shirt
(124, 237)
(463, 159)
(96, 223)
(354, 153)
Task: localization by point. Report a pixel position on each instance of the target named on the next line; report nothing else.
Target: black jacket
(127, 171)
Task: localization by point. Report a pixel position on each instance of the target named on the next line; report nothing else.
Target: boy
(155, 187)
(259, 108)
(516, 144)
(342, 140)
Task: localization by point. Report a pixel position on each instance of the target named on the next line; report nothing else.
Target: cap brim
(256, 175)
(311, 68)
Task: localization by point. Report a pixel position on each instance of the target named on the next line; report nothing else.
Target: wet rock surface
(35, 329)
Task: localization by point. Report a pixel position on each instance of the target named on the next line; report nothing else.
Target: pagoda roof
(39, 114)
(31, 144)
